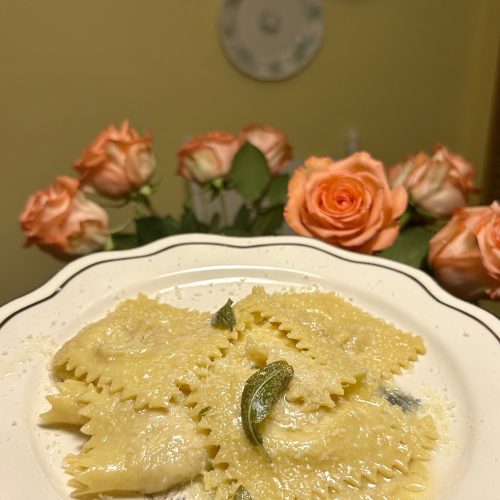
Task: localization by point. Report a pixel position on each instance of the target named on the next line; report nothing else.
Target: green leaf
(224, 317)
(268, 221)
(190, 224)
(242, 218)
(214, 226)
(122, 241)
(171, 225)
(215, 187)
(405, 219)
(411, 246)
(278, 188)
(404, 401)
(260, 393)
(153, 227)
(205, 410)
(250, 173)
(235, 231)
(420, 215)
(242, 494)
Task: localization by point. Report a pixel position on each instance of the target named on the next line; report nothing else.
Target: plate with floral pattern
(271, 39)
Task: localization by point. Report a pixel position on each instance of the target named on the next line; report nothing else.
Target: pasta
(158, 389)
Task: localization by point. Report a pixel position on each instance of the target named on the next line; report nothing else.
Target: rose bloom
(273, 144)
(439, 184)
(207, 157)
(62, 221)
(465, 254)
(117, 162)
(347, 203)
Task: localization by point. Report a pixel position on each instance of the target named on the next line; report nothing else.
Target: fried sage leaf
(404, 401)
(205, 410)
(242, 494)
(260, 393)
(224, 317)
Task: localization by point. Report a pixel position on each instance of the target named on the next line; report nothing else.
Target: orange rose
(118, 161)
(271, 142)
(207, 157)
(347, 203)
(62, 221)
(439, 184)
(465, 254)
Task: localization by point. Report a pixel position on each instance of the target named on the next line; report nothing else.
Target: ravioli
(157, 391)
(144, 350)
(318, 321)
(134, 450)
(364, 440)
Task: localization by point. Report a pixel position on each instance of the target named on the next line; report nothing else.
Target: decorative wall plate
(271, 39)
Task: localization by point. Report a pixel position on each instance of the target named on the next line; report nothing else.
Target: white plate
(460, 371)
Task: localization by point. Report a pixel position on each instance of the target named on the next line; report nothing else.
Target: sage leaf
(404, 401)
(260, 393)
(242, 494)
(224, 317)
(205, 410)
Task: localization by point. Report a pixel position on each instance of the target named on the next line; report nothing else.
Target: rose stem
(148, 204)
(223, 208)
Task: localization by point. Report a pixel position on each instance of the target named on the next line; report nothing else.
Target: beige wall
(405, 74)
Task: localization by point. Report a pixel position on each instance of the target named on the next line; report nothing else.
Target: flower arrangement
(403, 213)
(414, 212)
(118, 168)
